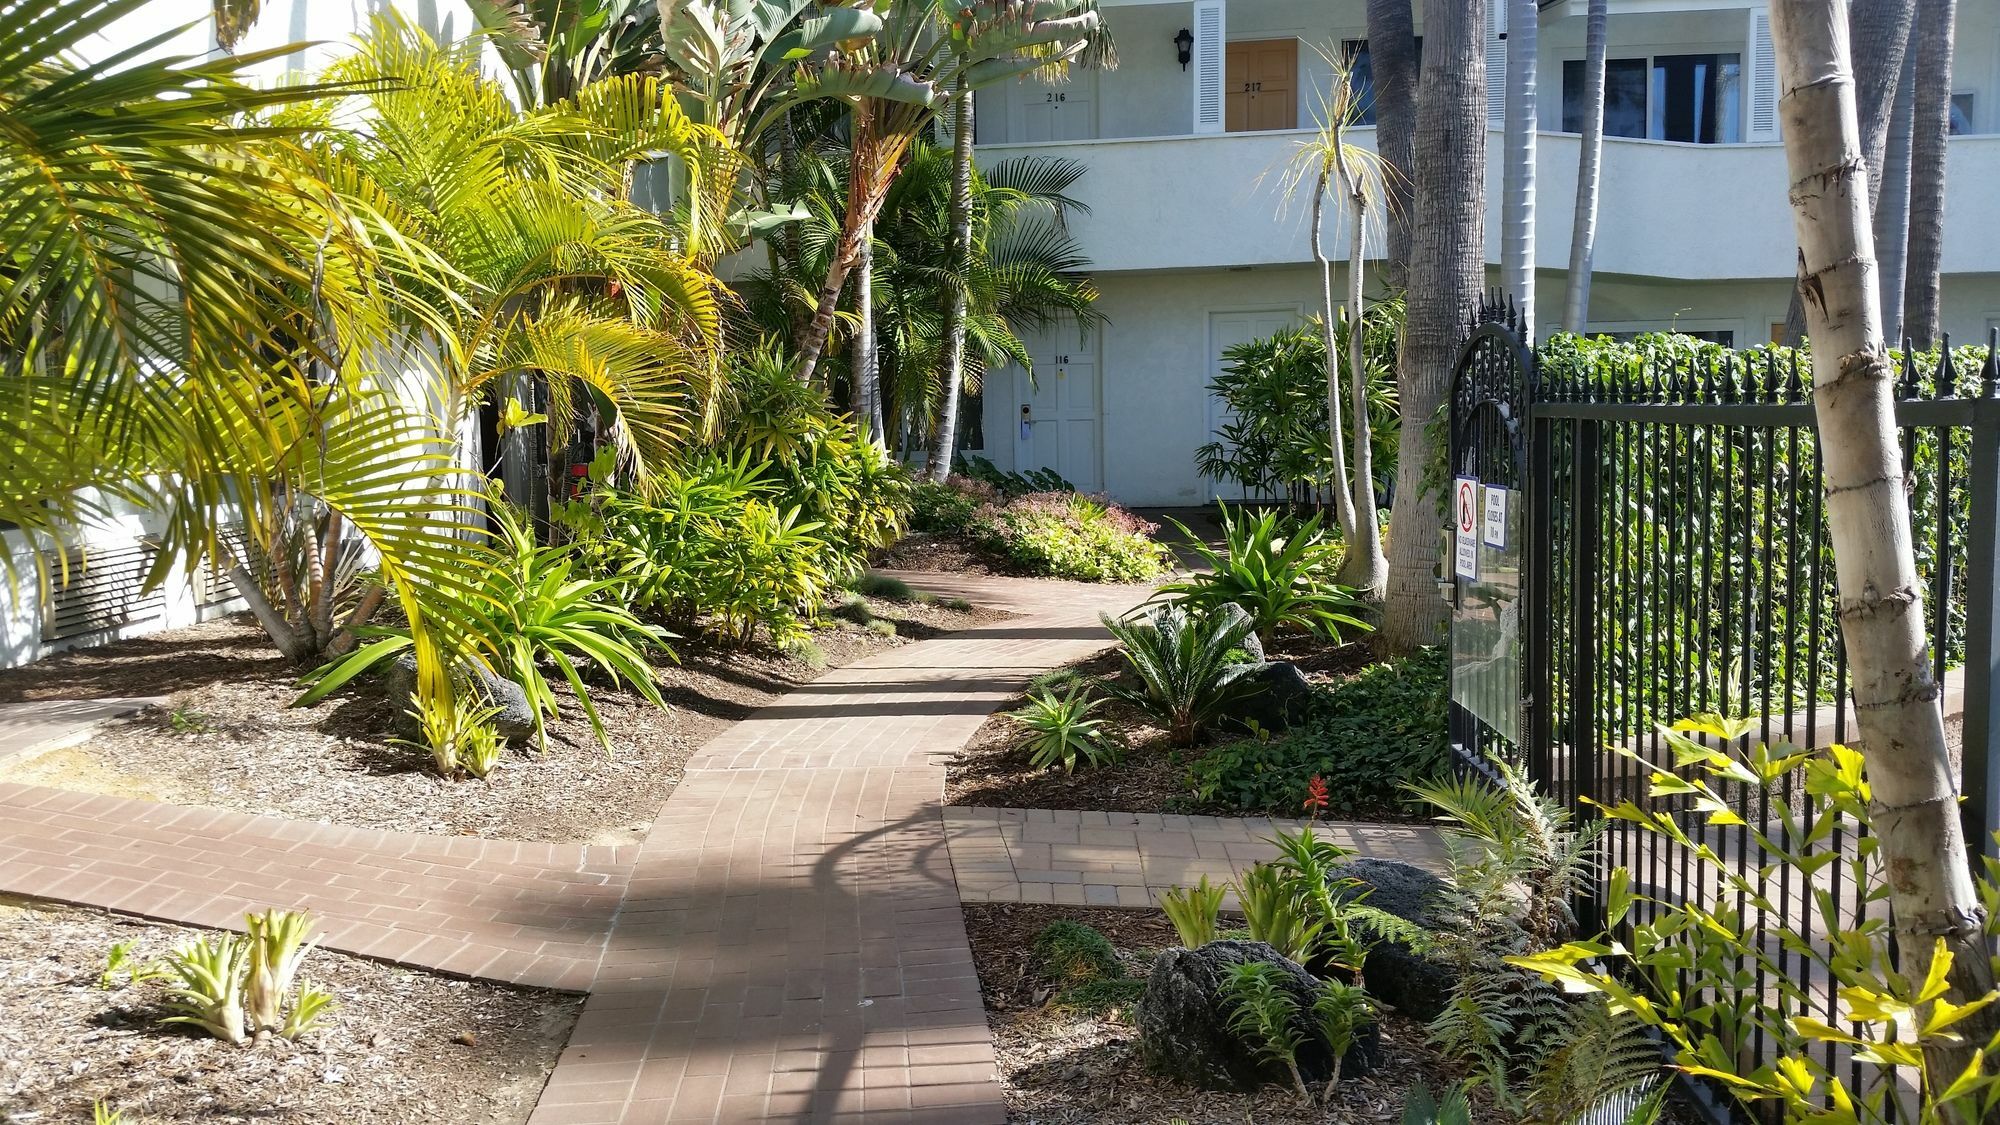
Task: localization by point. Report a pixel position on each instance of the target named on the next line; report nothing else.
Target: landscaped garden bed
(227, 735)
(398, 1046)
(1064, 1061)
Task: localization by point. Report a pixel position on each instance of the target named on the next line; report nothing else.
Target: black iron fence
(1675, 560)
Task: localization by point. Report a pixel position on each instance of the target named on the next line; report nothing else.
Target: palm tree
(1446, 269)
(1932, 898)
(1517, 198)
(1358, 176)
(192, 314)
(896, 79)
(1931, 128)
(944, 438)
(554, 48)
(1590, 153)
(1892, 203)
(1392, 58)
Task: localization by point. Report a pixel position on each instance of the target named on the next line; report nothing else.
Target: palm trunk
(1365, 568)
(1882, 618)
(1517, 200)
(1392, 53)
(862, 204)
(866, 391)
(288, 640)
(1930, 127)
(1446, 270)
(1340, 486)
(944, 443)
(1590, 155)
(1892, 207)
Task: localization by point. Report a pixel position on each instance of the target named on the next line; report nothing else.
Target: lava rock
(1275, 696)
(1414, 984)
(515, 722)
(1184, 1022)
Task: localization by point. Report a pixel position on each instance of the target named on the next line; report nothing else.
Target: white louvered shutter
(1763, 78)
(1496, 62)
(1208, 65)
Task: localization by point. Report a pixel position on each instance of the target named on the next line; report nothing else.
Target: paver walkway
(42, 724)
(786, 945)
(1127, 859)
(792, 947)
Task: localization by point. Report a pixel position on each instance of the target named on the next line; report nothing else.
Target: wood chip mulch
(228, 736)
(400, 1047)
(1061, 1067)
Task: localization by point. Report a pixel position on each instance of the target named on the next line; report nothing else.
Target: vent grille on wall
(102, 592)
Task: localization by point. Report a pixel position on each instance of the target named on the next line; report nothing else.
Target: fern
(1600, 1059)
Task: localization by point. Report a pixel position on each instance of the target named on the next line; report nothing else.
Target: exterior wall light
(1184, 43)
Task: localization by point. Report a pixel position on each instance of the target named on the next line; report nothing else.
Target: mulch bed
(400, 1046)
(229, 737)
(992, 771)
(1060, 1066)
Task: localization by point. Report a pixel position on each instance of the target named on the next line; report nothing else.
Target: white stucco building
(1194, 249)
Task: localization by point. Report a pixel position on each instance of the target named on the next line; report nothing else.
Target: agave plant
(1062, 730)
(1189, 665)
(1278, 572)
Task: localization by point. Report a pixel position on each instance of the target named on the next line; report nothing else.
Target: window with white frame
(1696, 98)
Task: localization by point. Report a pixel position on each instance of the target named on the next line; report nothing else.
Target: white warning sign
(1496, 517)
(1465, 507)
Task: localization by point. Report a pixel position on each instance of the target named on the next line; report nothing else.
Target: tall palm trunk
(1446, 269)
(1365, 568)
(1590, 155)
(1931, 125)
(1879, 32)
(944, 441)
(1892, 205)
(867, 183)
(1517, 200)
(866, 376)
(1882, 619)
(1343, 495)
(1392, 55)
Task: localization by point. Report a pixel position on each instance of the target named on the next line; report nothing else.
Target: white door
(1056, 111)
(1059, 430)
(1225, 331)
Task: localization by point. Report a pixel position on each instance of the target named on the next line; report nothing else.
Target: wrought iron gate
(1483, 551)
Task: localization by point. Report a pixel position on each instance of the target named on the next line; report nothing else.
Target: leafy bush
(1061, 729)
(978, 470)
(950, 508)
(532, 612)
(1279, 572)
(1190, 666)
(1367, 737)
(1066, 535)
(1070, 953)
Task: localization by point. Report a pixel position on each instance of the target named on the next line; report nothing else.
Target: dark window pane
(971, 422)
(1361, 76)
(1624, 97)
(1696, 98)
(1961, 114)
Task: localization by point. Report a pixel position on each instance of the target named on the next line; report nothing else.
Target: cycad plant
(1190, 666)
(1278, 571)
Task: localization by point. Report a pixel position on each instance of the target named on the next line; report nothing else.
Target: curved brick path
(786, 945)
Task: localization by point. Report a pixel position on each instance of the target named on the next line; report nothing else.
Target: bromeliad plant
(533, 612)
(1712, 977)
(1279, 572)
(1063, 731)
(1193, 912)
(240, 986)
(1188, 664)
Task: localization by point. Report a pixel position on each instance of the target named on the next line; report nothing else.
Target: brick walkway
(1127, 859)
(786, 945)
(792, 947)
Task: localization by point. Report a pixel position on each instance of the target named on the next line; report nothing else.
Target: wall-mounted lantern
(1184, 43)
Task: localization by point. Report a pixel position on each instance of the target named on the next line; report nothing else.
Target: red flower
(1316, 796)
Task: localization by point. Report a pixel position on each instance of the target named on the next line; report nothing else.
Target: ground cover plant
(400, 1045)
(1043, 531)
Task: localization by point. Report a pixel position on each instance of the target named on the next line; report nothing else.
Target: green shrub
(1065, 535)
(1061, 730)
(949, 508)
(1070, 953)
(1099, 997)
(1189, 665)
(1278, 571)
(1366, 737)
(889, 589)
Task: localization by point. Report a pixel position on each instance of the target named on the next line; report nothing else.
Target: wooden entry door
(1263, 80)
